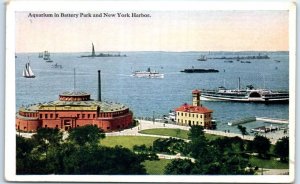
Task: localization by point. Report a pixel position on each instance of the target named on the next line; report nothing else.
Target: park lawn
(156, 167)
(270, 164)
(182, 134)
(127, 141)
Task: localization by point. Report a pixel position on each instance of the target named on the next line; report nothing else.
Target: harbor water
(156, 97)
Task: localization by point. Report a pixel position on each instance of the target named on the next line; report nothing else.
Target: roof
(193, 109)
(196, 91)
(74, 93)
(76, 105)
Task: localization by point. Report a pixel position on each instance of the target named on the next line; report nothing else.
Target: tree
(198, 146)
(88, 134)
(261, 145)
(24, 147)
(242, 130)
(47, 138)
(180, 166)
(282, 149)
(196, 132)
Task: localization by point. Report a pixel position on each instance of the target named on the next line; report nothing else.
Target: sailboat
(47, 56)
(27, 72)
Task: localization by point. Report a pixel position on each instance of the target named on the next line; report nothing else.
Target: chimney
(99, 85)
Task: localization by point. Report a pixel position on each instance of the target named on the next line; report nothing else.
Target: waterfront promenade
(144, 124)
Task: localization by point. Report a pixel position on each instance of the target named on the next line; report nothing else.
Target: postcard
(148, 91)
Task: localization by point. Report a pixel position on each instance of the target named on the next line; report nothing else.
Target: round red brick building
(74, 109)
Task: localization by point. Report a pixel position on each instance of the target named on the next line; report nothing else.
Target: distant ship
(27, 72)
(56, 66)
(47, 56)
(202, 58)
(199, 70)
(238, 58)
(102, 54)
(147, 74)
(41, 55)
(250, 94)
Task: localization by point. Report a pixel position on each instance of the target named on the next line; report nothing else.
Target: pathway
(144, 124)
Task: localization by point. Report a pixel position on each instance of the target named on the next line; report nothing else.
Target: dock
(251, 119)
(272, 120)
(241, 121)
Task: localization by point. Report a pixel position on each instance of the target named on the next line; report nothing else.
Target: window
(108, 128)
(83, 115)
(56, 115)
(89, 116)
(41, 116)
(46, 116)
(51, 116)
(78, 115)
(94, 115)
(46, 126)
(56, 126)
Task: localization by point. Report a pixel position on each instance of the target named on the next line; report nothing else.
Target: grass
(270, 164)
(127, 141)
(156, 167)
(182, 134)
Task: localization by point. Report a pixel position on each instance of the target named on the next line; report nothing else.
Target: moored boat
(250, 94)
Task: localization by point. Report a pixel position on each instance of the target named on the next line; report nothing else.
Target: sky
(202, 30)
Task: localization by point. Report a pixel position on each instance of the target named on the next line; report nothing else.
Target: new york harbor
(152, 93)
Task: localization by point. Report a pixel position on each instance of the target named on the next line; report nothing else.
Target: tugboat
(250, 94)
(147, 74)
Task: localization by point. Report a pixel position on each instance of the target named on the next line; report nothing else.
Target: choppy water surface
(156, 96)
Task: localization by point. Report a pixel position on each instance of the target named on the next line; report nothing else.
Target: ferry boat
(250, 94)
(147, 74)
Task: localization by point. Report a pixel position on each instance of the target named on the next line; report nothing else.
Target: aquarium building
(194, 114)
(74, 109)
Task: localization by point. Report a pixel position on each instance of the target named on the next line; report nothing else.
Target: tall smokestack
(99, 85)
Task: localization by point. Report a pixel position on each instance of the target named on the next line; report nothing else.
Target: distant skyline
(164, 31)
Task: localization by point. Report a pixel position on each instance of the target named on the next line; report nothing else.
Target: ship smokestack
(99, 85)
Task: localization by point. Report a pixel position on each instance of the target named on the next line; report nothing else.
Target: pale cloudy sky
(163, 31)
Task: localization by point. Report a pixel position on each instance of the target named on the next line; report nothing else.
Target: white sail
(27, 72)
(30, 71)
(24, 72)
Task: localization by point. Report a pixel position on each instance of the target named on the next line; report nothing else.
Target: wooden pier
(272, 120)
(251, 119)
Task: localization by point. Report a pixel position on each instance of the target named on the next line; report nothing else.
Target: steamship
(250, 94)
